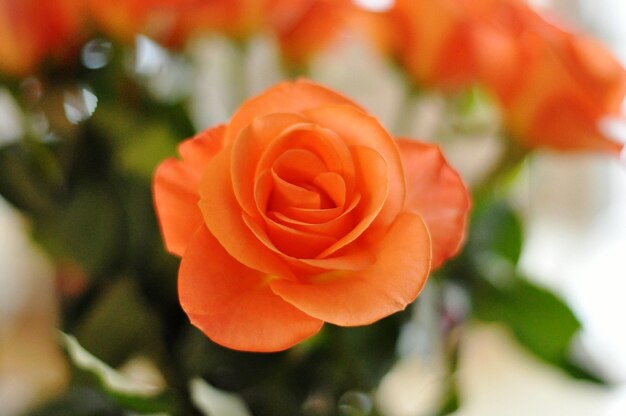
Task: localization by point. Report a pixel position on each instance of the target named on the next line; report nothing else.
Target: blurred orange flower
(237, 18)
(554, 86)
(171, 22)
(304, 27)
(432, 40)
(124, 19)
(303, 210)
(33, 30)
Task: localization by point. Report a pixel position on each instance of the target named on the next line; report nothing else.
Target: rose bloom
(33, 30)
(304, 27)
(236, 18)
(432, 40)
(172, 22)
(123, 20)
(568, 83)
(301, 210)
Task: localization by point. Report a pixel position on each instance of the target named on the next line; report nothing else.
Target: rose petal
(349, 258)
(336, 227)
(176, 184)
(285, 194)
(224, 217)
(297, 243)
(333, 185)
(321, 216)
(374, 186)
(298, 166)
(359, 129)
(233, 304)
(362, 297)
(436, 192)
(198, 150)
(248, 149)
(323, 145)
(286, 242)
(286, 97)
(322, 142)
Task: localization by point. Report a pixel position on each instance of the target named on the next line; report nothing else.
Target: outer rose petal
(286, 97)
(233, 304)
(176, 186)
(362, 297)
(437, 193)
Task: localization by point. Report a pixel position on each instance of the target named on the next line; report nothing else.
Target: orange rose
(304, 27)
(431, 39)
(33, 30)
(124, 19)
(303, 210)
(173, 21)
(568, 83)
(236, 18)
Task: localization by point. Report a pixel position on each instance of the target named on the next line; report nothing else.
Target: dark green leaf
(139, 146)
(496, 230)
(87, 229)
(30, 175)
(122, 314)
(540, 320)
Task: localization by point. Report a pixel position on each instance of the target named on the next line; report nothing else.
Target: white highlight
(150, 57)
(615, 129)
(79, 105)
(211, 401)
(11, 118)
(375, 5)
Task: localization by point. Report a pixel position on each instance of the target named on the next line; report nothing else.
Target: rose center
(302, 180)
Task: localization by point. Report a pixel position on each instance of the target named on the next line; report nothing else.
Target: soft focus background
(573, 209)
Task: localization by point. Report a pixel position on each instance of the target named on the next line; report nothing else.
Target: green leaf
(495, 231)
(127, 394)
(30, 175)
(120, 312)
(87, 229)
(139, 146)
(539, 319)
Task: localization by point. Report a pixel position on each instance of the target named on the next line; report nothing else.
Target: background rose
(33, 30)
(569, 83)
(304, 27)
(172, 22)
(124, 19)
(299, 212)
(431, 39)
